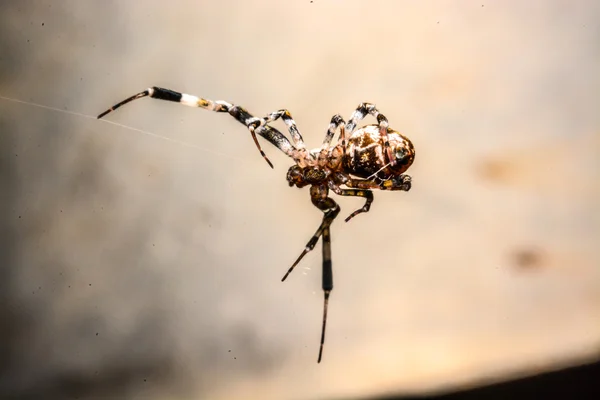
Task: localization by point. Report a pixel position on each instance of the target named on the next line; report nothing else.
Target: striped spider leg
(364, 159)
(334, 166)
(254, 125)
(361, 112)
(330, 209)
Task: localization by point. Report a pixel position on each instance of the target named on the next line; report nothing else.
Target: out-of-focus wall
(139, 266)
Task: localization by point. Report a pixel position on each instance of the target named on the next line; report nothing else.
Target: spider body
(366, 156)
(372, 157)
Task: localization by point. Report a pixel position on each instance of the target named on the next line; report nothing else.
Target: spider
(372, 157)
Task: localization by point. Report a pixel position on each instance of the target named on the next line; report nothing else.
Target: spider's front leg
(360, 113)
(275, 137)
(288, 120)
(331, 209)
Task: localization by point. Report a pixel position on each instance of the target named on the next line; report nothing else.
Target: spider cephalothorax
(372, 157)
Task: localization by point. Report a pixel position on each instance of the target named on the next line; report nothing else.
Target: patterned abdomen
(366, 156)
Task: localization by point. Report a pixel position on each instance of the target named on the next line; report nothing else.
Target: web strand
(155, 135)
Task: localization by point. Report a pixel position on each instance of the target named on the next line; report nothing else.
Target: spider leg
(361, 112)
(330, 211)
(400, 182)
(327, 284)
(365, 193)
(271, 134)
(289, 121)
(336, 121)
(332, 156)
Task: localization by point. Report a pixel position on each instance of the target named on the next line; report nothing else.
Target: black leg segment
(271, 134)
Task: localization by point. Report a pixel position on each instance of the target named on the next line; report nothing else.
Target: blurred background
(141, 266)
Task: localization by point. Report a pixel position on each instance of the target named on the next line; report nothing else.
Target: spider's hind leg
(360, 113)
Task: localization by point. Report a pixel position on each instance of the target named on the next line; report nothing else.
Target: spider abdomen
(366, 154)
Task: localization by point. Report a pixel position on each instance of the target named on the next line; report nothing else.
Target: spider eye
(402, 156)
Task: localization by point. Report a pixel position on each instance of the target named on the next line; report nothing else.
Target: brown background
(137, 266)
